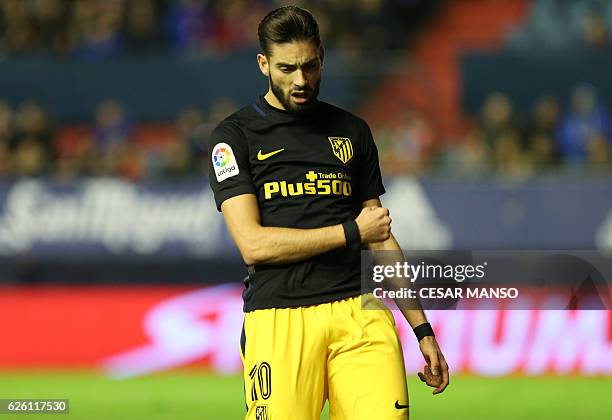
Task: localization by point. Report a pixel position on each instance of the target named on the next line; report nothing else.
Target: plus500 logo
(318, 187)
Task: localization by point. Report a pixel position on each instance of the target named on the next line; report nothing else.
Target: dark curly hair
(287, 24)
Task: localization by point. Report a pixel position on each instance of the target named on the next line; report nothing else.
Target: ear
(322, 54)
(264, 66)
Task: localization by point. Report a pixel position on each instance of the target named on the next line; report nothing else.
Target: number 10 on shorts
(261, 378)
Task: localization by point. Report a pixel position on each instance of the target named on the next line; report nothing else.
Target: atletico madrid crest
(342, 148)
(261, 412)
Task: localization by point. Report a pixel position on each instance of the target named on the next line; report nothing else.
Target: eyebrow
(311, 61)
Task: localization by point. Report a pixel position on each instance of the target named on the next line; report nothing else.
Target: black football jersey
(308, 170)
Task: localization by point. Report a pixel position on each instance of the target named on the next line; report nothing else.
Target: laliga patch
(224, 162)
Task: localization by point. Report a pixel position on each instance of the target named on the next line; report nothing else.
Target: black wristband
(423, 330)
(351, 233)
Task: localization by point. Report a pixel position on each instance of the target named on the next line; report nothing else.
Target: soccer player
(298, 182)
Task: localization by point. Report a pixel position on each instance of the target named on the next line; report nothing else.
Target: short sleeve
(229, 169)
(369, 178)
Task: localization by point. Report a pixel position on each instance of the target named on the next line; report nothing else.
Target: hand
(435, 373)
(374, 224)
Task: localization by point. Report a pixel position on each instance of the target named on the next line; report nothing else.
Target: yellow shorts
(296, 358)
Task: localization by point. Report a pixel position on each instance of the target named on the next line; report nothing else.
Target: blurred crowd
(563, 24)
(503, 141)
(500, 141)
(114, 144)
(108, 28)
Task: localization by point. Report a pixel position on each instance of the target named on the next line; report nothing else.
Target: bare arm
(273, 245)
(415, 317)
(435, 374)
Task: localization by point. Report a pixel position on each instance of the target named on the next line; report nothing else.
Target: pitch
(193, 394)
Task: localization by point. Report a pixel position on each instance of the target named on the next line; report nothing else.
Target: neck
(271, 98)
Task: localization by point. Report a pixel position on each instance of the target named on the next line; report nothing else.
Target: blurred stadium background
(119, 285)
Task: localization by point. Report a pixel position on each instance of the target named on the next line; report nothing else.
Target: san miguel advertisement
(132, 331)
(107, 217)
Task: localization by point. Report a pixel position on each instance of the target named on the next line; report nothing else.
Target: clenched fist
(374, 224)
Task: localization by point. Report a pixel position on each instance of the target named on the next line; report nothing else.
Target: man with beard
(298, 182)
